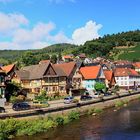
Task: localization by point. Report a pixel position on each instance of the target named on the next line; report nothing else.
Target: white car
(97, 95)
(68, 100)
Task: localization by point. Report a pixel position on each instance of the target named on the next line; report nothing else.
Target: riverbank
(19, 127)
(102, 103)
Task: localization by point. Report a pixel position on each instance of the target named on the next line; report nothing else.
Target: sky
(35, 24)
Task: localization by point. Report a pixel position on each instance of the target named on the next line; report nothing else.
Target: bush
(98, 110)
(59, 120)
(119, 104)
(99, 86)
(73, 116)
(13, 99)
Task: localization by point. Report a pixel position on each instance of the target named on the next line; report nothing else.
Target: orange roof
(67, 67)
(67, 57)
(90, 72)
(44, 61)
(137, 64)
(108, 74)
(125, 72)
(8, 68)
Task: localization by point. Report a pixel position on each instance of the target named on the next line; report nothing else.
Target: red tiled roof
(82, 55)
(67, 67)
(90, 72)
(8, 68)
(125, 72)
(67, 57)
(137, 64)
(108, 74)
(44, 61)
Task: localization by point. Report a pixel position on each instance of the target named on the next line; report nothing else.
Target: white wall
(127, 81)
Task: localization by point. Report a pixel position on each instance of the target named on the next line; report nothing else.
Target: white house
(126, 78)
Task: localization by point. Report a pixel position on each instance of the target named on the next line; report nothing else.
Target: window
(61, 88)
(125, 82)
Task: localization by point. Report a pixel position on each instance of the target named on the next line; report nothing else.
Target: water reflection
(121, 125)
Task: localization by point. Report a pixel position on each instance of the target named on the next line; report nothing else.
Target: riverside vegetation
(10, 128)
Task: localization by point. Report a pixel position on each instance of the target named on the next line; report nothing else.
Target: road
(60, 103)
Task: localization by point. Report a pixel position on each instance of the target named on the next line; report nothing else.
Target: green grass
(129, 53)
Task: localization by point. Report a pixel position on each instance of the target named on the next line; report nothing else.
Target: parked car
(20, 106)
(107, 94)
(85, 97)
(97, 95)
(39, 104)
(68, 100)
(2, 109)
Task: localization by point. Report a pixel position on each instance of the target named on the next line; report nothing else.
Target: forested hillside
(114, 46)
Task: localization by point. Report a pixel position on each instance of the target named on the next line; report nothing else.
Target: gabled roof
(44, 61)
(67, 57)
(59, 71)
(36, 71)
(33, 71)
(67, 67)
(108, 74)
(90, 72)
(23, 74)
(137, 64)
(82, 55)
(118, 72)
(2, 71)
(8, 68)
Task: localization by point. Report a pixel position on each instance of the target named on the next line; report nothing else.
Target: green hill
(107, 46)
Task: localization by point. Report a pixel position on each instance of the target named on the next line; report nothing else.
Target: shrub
(13, 99)
(119, 104)
(59, 120)
(98, 110)
(73, 116)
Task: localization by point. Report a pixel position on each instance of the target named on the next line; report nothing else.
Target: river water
(123, 124)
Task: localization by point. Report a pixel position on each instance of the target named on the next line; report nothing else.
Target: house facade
(40, 77)
(2, 83)
(109, 78)
(91, 75)
(137, 66)
(126, 78)
(69, 69)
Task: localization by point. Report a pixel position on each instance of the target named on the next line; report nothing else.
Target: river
(123, 124)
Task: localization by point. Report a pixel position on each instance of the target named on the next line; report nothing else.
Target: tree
(99, 86)
(53, 58)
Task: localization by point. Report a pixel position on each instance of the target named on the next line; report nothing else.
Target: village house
(137, 66)
(109, 78)
(69, 69)
(68, 58)
(9, 70)
(2, 82)
(81, 56)
(91, 75)
(123, 64)
(45, 76)
(126, 78)
(77, 77)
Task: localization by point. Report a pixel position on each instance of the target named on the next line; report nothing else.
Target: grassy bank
(10, 128)
(16, 127)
